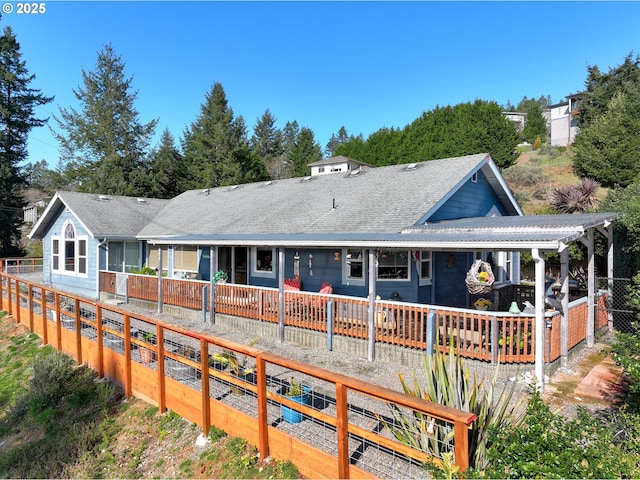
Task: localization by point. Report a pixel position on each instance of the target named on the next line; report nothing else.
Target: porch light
(296, 265)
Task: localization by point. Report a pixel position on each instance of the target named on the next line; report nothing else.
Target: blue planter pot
(290, 415)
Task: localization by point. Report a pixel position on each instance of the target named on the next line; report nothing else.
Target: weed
(236, 445)
(216, 434)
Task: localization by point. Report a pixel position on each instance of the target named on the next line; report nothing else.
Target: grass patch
(58, 420)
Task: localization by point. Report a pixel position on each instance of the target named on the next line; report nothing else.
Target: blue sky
(362, 65)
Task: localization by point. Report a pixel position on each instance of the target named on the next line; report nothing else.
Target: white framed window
(82, 256)
(353, 268)
(153, 257)
(425, 266)
(393, 265)
(185, 258)
(69, 252)
(262, 262)
(55, 254)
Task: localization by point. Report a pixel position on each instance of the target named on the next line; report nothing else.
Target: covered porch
(539, 337)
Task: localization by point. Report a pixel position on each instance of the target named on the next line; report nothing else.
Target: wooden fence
(346, 428)
(477, 335)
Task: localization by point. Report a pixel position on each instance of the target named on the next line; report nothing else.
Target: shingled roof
(367, 200)
(104, 216)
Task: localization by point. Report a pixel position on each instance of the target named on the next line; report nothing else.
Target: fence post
(99, 340)
(162, 400)
(431, 333)
(204, 303)
(204, 368)
(461, 436)
(342, 430)
(2, 279)
(30, 290)
(494, 338)
(127, 355)
(76, 306)
(329, 325)
(263, 426)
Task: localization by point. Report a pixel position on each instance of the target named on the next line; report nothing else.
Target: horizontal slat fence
(344, 430)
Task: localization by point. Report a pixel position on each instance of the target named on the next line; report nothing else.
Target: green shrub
(626, 349)
(520, 175)
(548, 445)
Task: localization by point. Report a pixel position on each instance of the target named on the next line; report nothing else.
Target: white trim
(346, 278)
(254, 263)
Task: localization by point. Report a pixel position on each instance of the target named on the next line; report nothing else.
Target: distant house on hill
(338, 164)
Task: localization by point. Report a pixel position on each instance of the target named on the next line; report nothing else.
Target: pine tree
(267, 143)
(336, 140)
(216, 146)
(168, 171)
(17, 102)
(103, 146)
(304, 151)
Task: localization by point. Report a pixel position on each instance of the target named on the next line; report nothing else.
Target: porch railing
(346, 431)
(478, 335)
(21, 265)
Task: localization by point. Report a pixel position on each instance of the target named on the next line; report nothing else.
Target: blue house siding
(84, 285)
(471, 200)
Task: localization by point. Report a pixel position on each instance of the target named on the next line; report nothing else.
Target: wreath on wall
(479, 278)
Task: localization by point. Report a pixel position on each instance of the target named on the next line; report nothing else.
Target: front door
(233, 260)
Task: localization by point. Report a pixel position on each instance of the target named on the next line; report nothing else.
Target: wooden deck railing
(21, 265)
(478, 335)
(346, 427)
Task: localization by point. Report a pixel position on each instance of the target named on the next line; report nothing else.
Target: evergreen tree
(336, 140)
(607, 148)
(267, 143)
(216, 146)
(17, 103)
(104, 144)
(304, 151)
(600, 88)
(536, 125)
(290, 137)
(168, 171)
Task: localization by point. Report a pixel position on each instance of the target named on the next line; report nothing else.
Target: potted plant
(296, 392)
(237, 368)
(482, 304)
(220, 277)
(147, 355)
(183, 371)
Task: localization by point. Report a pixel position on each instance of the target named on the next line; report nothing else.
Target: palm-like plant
(447, 381)
(575, 198)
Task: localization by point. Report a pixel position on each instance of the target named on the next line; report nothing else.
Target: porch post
(564, 298)
(591, 283)
(371, 311)
(212, 284)
(540, 326)
(160, 307)
(281, 295)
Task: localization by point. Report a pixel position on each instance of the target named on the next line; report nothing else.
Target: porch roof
(545, 232)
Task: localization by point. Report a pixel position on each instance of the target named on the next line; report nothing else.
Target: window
(152, 257)
(55, 254)
(185, 258)
(82, 256)
(393, 265)
(262, 261)
(69, 248)
(424, 266)
(123, 256)
(354, 266)
(69, 252)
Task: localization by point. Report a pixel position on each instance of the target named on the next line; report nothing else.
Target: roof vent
(205, 191)
(355, 172)
(233, 187)
(142, 201)
(411, 166)
(103, 198)
(306, 179)
(266, 184)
